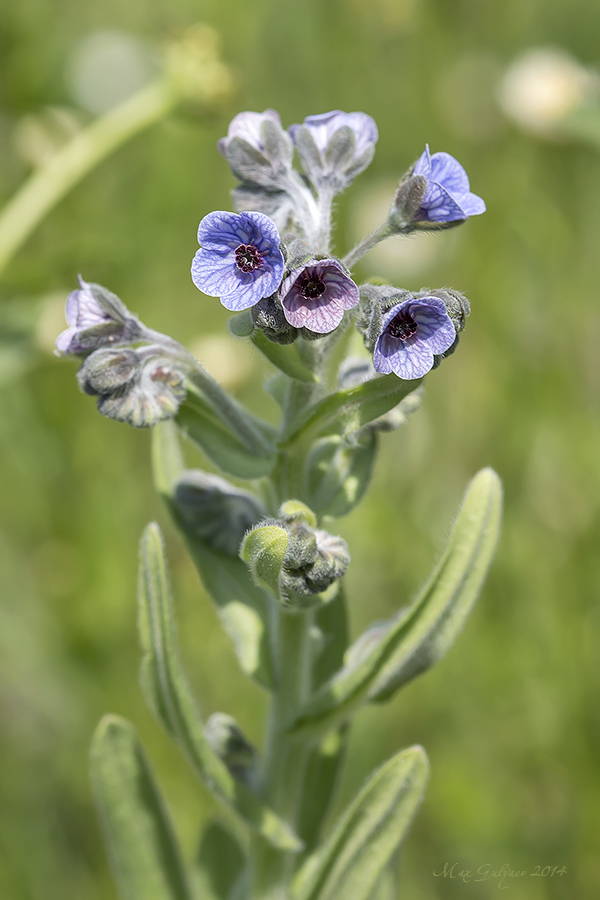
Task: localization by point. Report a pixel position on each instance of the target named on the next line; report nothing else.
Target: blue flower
(96, 317)
(315, 295)
(248, 126)
(239, 259)
(447, 197)
(412, 332)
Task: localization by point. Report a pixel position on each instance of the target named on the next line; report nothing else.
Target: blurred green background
(510, 717)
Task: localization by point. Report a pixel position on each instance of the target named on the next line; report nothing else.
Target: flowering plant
(350, 361)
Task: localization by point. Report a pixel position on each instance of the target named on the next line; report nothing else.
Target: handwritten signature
(487, 872)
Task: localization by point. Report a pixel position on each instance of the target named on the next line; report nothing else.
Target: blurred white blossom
(542, 86)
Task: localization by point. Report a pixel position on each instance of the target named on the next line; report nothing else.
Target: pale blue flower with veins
(448, 196)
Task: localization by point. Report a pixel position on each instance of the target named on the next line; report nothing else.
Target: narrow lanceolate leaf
(169, 695)
(241, 605)
(368, 833)
(285, 357)
(140, 842)
(345, 411)
(427, 628)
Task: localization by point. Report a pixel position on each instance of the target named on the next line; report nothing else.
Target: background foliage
(510, 718)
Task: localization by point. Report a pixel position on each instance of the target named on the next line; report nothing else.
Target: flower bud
(334, 147)
(297, 562)
(215, 511)
(257, 148)
(96, 318)
(268, 315)
(140, 387)
(231, 745)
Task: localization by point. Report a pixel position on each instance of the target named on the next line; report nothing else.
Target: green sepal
(168, 693)
(338, 473)
(367, 834)
(425, 630)
(344, 412)
(219, 863)
(241, 606)
(264, 549)
(141, 845)
(250, 457)
(284, 357)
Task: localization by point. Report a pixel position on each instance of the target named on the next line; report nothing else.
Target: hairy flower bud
(295, 560)
(215, 511)
(140, 387)
(269, 317)
(257, 148)
(96, 318)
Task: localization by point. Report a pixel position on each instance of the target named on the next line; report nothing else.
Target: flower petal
(447, 171)
(439, 206)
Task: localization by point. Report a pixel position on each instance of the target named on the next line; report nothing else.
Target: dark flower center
(248, 258)
(311, 285)
(402, 326)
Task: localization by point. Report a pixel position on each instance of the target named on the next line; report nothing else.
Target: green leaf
(241, 606)
(345, 411)
(368, 833)
(338, 473)
(199, 422)
(285, 357)
(220, 862)
(142, 848)
(169, 695)
(426, 629)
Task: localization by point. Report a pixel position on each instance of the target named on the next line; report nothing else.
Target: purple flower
(325, 125)
(239, 259)
(413, 332)
(447, 197)
(315, 295)
(248, 126)
(95, 317)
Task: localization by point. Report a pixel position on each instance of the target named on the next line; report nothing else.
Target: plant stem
(285, 759)
(367, 244)
(45, 187)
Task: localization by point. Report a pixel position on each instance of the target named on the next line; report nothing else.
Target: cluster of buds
(298, 562)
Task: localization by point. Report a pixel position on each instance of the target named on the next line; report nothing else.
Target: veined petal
(440, 206)
(447, 171)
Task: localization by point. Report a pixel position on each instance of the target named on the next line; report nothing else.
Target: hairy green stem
(285, 759)
(384, 231)
(49, 184)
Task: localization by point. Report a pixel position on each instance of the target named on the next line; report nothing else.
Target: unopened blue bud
(215, 511)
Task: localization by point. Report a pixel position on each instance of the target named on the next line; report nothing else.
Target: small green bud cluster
(298, 562)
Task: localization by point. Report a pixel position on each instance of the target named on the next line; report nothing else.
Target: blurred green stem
(45, 187)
